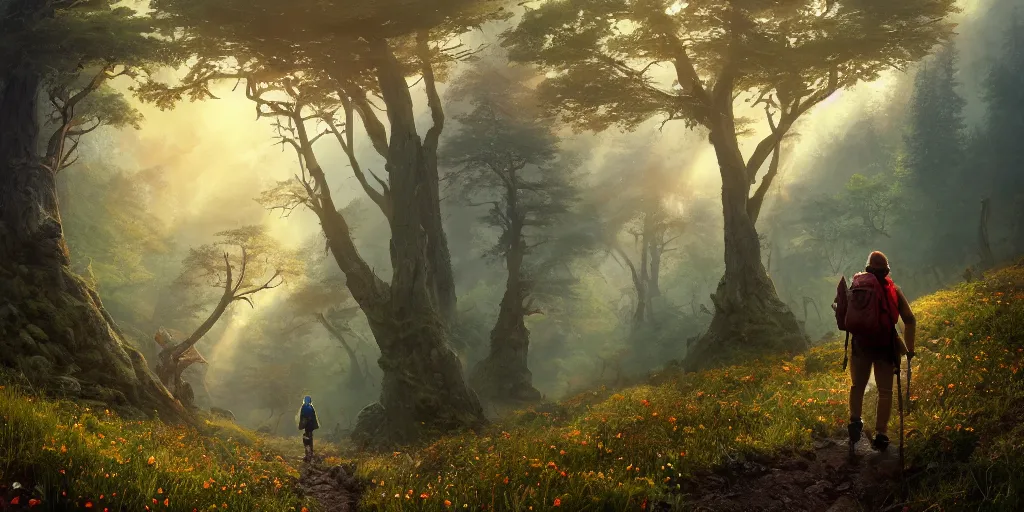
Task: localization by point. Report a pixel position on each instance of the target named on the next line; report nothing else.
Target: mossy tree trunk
(52, 325)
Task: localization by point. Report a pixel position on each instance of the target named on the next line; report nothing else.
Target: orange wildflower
(557, 502)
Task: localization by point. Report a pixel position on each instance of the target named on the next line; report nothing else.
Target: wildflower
(206, 485)
(15, 500)
(447, 503)
(167, 502)
(33, 502)
(151, 461)
(160, 490)
(424, 495)
(88, 504)
(557, 502)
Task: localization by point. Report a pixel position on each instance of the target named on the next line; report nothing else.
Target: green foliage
(996, 148)
(943, 190)
(79, 457)
(110, 226)
(604, 448)
(77, 48)
(835, 226)
(618, 62)
(324, 47)
(503, 156)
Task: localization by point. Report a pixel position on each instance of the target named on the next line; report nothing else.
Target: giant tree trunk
(504, 376)
(423, 389)
(442, 277)
(53, 328)
(749, 317)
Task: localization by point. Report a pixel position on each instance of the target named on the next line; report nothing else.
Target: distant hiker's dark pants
(307, 440)
(860, 371)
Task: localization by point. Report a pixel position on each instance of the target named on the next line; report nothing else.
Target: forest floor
(765, 435)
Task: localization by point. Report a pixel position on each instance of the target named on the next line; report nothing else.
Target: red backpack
(867, 309)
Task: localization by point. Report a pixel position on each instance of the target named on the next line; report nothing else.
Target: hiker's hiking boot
(881, 442)
(855, 427)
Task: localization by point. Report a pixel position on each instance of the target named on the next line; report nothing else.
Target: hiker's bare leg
(860, 372)
(883, 380)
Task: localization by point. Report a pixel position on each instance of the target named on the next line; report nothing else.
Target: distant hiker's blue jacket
(307, 416)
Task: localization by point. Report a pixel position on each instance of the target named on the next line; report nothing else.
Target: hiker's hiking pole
(909, 357)
(899, 399)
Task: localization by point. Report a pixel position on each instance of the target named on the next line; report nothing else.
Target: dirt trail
(335, 487)
(824, 479)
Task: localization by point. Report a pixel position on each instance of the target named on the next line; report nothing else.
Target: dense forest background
(623, 253)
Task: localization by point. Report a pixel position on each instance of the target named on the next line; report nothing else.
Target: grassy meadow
(606, 449)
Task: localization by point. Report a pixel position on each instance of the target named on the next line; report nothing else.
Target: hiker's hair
(877, 260)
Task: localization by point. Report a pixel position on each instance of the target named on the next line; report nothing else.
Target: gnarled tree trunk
(504, 375)
(423, 389)
(749, 316)
(53, 327)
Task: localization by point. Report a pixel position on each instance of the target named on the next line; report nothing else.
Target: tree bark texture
(749, 316)
(53, 327)
(423, 389)
(504, 375)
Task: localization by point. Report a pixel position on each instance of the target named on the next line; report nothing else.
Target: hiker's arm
(909, 323)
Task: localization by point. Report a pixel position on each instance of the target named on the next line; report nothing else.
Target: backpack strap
(846, 346)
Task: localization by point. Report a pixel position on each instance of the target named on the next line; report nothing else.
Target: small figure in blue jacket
(308, 423)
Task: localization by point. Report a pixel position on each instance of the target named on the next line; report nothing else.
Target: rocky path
(825, 479)
(335, 487)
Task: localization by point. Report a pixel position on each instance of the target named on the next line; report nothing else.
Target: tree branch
(225, 300)
(430, 141)
(381, 199)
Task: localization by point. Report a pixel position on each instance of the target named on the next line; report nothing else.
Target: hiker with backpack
(308, 423)
(868, 311)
